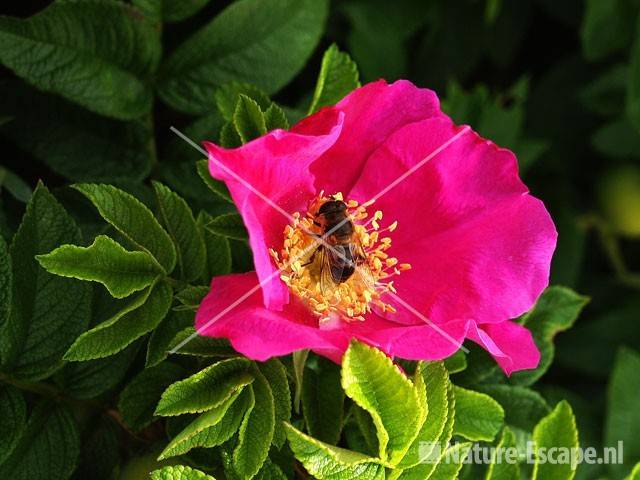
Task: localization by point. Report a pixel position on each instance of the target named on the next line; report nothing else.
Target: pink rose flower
(473, 248)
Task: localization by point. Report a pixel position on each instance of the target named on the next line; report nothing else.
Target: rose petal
(273, 167)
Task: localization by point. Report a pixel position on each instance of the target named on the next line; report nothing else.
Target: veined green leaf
(63, 48)
(48, 312)
(105, 261)
(140, 317)
(133, 219)
(276, 376)
(523, 408)
(206, 389)
(220, 52)
(327, 462)
(274, 117)
(13, 418)
(213, 427)
(177, 218)
(323, 401)
(48, 447)
(6, 285)
(558, 429)
(622, 408)
(228, 96)
(503, 469)
(448, 470)
(170, 10)
(338, 76)
(201, 346)
(270, 471)
(371, 379)
(139, 398)
(478, 416)
(248, 119)
(161, 339)
(191, 296)
(228, 225)
(100, 455)
(215, 186)
(256, 431)
(555, 311)
(436, 380)
(633, 79)
(179, 472)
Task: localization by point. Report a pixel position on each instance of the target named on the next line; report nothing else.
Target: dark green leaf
(13, 418)
(162, 337)
(228, 96)
(244, 43)
(64, 49)
(248, 119)
(274, 117)
(229, 225)
(276, 375)
(215, 186)
(139, 398)
(170, 10)
(179, 472)
(607, 27)
(142, 315)
(478, 416)
(48, 448)
(48, 311)
(133, 219)
(177, 218)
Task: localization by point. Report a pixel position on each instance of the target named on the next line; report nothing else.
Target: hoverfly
(343, 254)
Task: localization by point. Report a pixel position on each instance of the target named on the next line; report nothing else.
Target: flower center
(335, 259)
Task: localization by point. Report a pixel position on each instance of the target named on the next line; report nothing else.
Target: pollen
(305, 267)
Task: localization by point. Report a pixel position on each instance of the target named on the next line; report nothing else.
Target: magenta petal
(276, 167)
(509, 343)
(372, 113)
(480, 246)
(253, 330)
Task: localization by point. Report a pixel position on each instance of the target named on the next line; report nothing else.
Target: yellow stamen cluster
(352, 299)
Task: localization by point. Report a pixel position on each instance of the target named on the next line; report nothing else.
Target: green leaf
(523, 408)
(274, 117)
(270, 471)
(323, 401)
(13, 418)
(299, 360)
(374, 383)
(179, 472)
(449, 470)
(215, 186)
(558, 429)
(633, 79)
(213, 427)
(190, 297)
(200, 345)
(139, 398)
(100, 455)
(228, 96)
(436, 379)
(94, 377)
(142, 315)
(13, 184)
(256, 431)
(162, 337)
(63, 48)
(73, 142)
(218, 250)
(607, 27)
(457, 362)
(338, 76)
(635, 473)
(6, 285)
(243, 43)
(48, 447)
(48, 312)
(229, 137)
(205, 389)
(133, 219)
(105, 261)
(478, 416)
(504, 470)
(617, 139)
(276, 376)
(327, 462)
(177, 218)
(606, 94)
(170, 10)
(555, 311)
(430, 454)
(229, 225)
(623, 416)
(248, 119)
